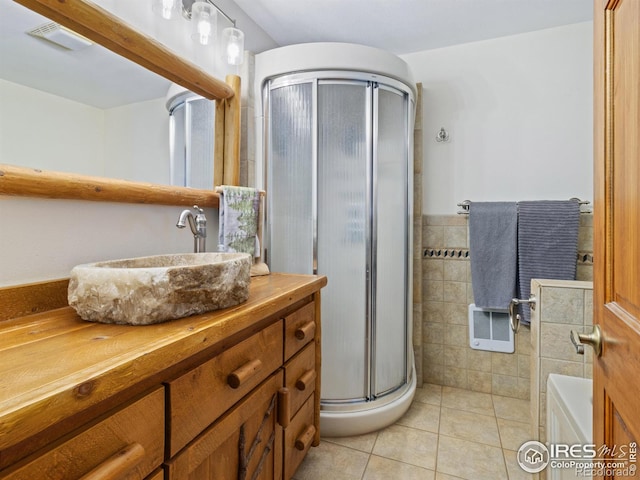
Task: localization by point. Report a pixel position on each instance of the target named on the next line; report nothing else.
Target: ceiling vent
(61, 36)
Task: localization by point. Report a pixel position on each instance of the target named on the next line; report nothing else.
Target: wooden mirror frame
(108, 30)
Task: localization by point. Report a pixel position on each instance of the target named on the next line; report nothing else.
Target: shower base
(370, 418)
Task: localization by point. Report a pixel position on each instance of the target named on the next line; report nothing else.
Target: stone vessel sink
(146, 290)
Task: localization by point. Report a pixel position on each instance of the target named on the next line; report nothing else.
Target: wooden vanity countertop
(54, 365)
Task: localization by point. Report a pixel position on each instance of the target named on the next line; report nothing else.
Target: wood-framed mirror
(108, 30)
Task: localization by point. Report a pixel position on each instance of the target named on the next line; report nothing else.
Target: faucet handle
(200, 210)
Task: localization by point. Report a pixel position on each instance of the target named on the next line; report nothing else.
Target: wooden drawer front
(298, 437)
(300, 328)
(127, 445)
(199, 397)
(250, 427)
(159, 475)
(300, 376)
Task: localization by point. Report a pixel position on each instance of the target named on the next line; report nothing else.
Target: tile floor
(447, 434)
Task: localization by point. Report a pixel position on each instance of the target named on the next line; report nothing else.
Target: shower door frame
(373, 82)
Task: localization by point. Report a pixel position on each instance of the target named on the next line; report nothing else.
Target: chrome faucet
(198, 225)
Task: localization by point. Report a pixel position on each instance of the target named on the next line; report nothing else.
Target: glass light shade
(203, 22)
(167, 9)
(233, 41)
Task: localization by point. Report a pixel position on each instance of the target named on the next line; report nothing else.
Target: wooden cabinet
(128, 444)
(230, 395)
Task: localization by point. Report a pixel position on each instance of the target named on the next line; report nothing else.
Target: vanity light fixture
(203, 22)
(203, 15)
(233, 39)
(167, 9)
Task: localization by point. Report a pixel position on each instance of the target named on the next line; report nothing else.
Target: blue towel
(547, 244)
(238, 220)
(492, 247)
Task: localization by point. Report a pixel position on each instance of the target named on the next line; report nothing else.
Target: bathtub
(569, 417)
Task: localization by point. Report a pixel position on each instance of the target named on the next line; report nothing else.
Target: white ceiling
(404, 26)
(98, 77)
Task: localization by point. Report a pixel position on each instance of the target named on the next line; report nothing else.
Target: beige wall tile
(455, 377)
(433, 333)
(479, 381)
(433, 354)
(455, 356)
(456, 335)
(455, 237)
(548, 365)
(455, 270)
(479, 360)
(456, 313)
(524, 366)
(588, 307)
(455, 292)
(433, 312)
(432, 291)
(505, 385)
(432, 269)
(504, 364)
(433, 373)
(555, 342)
(432, 235)
(562, 305)
(584, 273)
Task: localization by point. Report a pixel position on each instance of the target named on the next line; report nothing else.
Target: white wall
(519, 113)
(45, 131)
(137, 142)
(41, 130)
(42, 239)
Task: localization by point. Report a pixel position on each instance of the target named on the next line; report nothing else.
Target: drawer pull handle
(117, 465)
(306, 380)
(304, 440)
(238, 377)
(306, 331)
(284, 407)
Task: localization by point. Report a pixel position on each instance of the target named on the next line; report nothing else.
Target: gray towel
(547, 244)
(492, 247)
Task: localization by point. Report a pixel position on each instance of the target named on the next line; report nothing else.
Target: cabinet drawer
(200, 396)
(298, 437)
(251, 428)
(300, 376)
(300, 329)
(128, 444)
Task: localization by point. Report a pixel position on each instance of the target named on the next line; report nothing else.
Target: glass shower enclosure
(338, 150)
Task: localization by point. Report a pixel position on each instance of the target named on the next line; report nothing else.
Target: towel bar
(514, 318)
(465, 204)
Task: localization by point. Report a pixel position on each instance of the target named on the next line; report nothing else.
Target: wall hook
(442, 136)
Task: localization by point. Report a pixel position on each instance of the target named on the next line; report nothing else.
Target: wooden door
(617, 227)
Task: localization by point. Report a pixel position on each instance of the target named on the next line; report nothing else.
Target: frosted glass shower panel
(200, 149)
(342, 236)
(391, 204)
(291, 195)
(192, 128)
